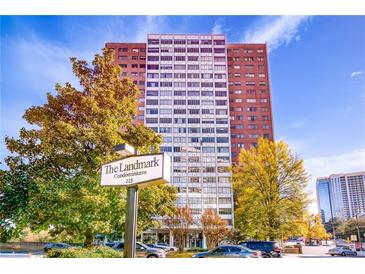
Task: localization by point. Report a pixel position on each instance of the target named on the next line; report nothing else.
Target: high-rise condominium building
(341, 196)
(208, 99)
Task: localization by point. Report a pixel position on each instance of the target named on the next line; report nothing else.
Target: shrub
(76, 252)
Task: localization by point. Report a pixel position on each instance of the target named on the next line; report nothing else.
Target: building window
(166, 58)
(165, 75)
(165, 120)
(151, 102)
(166, 84)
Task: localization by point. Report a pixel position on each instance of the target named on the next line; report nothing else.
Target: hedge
(92, 252)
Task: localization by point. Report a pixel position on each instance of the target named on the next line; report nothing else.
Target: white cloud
(277, 31)
(357, 73)
(352, 161)
(44, 61)
(218, 27)
(149, 25)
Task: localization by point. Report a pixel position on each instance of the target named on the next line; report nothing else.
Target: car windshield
(142, 245)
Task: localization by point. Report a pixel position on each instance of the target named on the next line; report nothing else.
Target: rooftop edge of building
(341, 175)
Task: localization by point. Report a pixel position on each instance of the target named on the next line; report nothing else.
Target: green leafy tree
(354, 226)
(269, 183)
(214, 227)
(57, 162)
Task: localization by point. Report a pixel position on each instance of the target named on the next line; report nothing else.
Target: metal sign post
(131, 223)
(133, 172)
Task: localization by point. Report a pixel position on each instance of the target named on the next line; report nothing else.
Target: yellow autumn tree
(269, 185)
(314, 229)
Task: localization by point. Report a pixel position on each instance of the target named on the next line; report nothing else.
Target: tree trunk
(89, 237)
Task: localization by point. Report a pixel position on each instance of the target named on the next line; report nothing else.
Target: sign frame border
(157, 181)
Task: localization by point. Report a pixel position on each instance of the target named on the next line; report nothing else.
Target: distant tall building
(341, 196)
(208, 99)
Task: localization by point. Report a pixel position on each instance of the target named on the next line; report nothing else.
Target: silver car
(342, 251)
(143, 251)
(229, 251)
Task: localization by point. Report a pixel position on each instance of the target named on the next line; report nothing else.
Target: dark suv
(268, 249)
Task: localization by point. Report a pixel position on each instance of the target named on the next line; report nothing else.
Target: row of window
(237, 51)
(185, 111)
(155, 102)
(249, 118)
(187, 75)
(210, 169)
(207, 200)
(247, 75)
(249, 136)
(126, 57)
(207, 190)
(194, 149)
(250, 126)
(218, 93)
(248, 100)
(184, 50)
(185, 41)
(135, 50)
(188, 84)
(197, 159)
(222, 211)
(189, 120)
(197, 139)
(218, 130)
(183, 67)
(245, 59)
(248, 91)
(133, 65)
(249, 109)
(207, 180)
(247, 83)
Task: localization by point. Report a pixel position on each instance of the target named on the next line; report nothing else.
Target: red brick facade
(132, 59)
(249, 94)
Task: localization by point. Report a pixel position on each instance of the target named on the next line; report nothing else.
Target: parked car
(229, 251)
(110, 244)
(163, 247)
(342, 251)
(171, 248)
(269, 249)
(143, 251)
(50, 246)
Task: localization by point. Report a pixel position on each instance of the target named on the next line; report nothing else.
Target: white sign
(353, 238)
(141, 170)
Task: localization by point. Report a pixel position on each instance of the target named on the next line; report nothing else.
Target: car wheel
(343, 254)
(152, 256)
(332, 255)
(355, 254)
(266, 256)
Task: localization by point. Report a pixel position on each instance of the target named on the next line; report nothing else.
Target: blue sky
(317, 72)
